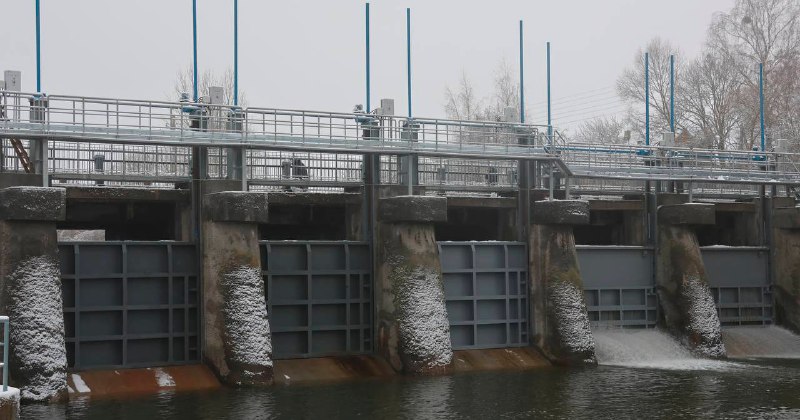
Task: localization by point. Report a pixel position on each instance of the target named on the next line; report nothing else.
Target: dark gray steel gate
(486, 289)
(129, 304)
(319, 297)
(739, 280)
(619, 285)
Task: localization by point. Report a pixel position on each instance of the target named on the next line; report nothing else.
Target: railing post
(6, 327)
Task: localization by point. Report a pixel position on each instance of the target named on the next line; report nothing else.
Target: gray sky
(310, 54)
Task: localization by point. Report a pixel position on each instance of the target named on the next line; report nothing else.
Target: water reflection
(756, 389)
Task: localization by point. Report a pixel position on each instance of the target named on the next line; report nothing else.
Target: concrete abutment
(237, 336)
(30, 293)
(558, 306)
(413, 331)
(688, 309)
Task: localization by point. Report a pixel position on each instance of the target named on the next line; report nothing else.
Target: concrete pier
(786, 266)
(9, 404)
(30, 293)
(237, 336)
(413, 332)
(561, 321)
(688, 309)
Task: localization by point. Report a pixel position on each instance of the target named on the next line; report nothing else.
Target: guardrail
(6, 323)
(148, 142)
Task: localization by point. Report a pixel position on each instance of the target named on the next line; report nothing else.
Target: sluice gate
(619, 285)
(486, 293)
(130, 304)
(319, 297)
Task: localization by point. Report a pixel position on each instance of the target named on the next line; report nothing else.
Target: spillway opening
(650, 348)
(761, 342)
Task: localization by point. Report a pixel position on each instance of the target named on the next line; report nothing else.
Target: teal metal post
(761, 100)
(647, 98)
(672, 93)
(38, 54)
(6, 322)
(194, 41)
(521, 78)
(549, 116)
(367, 33)
(408, 56)
(235, 52)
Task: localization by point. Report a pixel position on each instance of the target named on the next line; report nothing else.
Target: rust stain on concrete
(124, 382)
(517, 358)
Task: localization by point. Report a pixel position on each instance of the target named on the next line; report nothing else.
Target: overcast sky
(310, 54)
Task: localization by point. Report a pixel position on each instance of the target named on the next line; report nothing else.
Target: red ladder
(22, 154)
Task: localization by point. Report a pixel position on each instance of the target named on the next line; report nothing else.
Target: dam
(280, 247)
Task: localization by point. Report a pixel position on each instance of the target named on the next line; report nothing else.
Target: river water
(642, 375)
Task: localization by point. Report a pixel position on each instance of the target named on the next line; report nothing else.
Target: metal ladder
(22, 154)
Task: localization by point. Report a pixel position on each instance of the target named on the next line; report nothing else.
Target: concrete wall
(30, 290)
(237, 341)
(688, 309)
(413, 332)
(558, 306)
(786, 266)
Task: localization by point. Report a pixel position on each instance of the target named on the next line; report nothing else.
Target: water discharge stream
(649, 349)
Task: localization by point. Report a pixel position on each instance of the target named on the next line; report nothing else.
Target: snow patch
(80, 385)
(37, 328)
(571, 319)
(246, 321)
(164, 379)
(703, 319)
(422, 319)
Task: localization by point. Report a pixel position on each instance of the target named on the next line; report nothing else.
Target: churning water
(649, 349)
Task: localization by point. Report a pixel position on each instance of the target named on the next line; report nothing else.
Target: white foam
(80, 386)
(164, 379)
(650, 349)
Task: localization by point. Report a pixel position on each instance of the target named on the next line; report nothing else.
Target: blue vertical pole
(521, 78)
(761, 100)
(549, 116)
(367, 33)
(672, 93)
(235, 52)
(647, 98)
(194, 41)
(408, 56)
(38, 52)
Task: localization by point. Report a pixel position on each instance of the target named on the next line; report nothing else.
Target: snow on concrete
(10, 397)
(80, 385)
(571, 319)
(246, 322)
(703, 321)
(422, 319)
(37, 328)
(164, 379)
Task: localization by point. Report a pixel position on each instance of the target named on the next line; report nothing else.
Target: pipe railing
(6, 324)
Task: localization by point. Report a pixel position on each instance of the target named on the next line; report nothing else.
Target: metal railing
(148, 142)
(177, 123)
(6, 324)
(679, 164)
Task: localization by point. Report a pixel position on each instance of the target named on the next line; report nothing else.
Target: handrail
(6, 324)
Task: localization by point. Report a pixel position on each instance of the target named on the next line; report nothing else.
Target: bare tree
(184, 84)
(461, 103)
(631, 86)
(711, 91)
(761, 31)
(609, 130)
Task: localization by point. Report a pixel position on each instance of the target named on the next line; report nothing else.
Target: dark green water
(746, 389)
